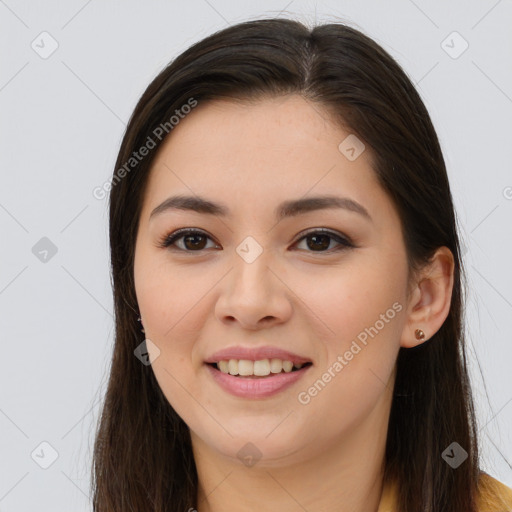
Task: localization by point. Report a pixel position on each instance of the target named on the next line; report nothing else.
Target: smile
(260, 368)
(246, 384)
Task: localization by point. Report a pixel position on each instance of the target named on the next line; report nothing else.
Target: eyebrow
(288, 208)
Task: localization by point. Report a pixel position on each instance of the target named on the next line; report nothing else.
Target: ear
(430, 299)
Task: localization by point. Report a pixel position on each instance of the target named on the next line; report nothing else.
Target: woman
(283, 233)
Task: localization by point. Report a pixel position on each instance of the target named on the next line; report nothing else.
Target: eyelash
(168, 240)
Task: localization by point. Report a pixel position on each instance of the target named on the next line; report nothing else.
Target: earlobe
(430, 301)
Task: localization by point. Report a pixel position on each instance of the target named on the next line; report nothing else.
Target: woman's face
(259, 282)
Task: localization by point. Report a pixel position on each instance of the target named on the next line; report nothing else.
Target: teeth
(245, 367)
(233, 367)
(287, 366)
(223, 366)
(276, 365)
(260, 368)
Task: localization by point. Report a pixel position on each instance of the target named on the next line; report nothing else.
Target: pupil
(195, 245)
(325, 245)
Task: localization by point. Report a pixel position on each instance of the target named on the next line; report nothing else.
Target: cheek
(366, 292)
(169, 297)
(175, 305)
(174, 308)
(359, 357)
(365, 314)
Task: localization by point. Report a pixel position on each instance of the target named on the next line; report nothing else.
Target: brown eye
(193, 240)
(320, 240)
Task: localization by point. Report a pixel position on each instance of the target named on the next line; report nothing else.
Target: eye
(193, 240)
(321, 240)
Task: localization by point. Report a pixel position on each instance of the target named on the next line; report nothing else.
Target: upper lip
(256, 354)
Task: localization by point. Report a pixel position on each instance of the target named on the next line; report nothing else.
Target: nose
(254, 296)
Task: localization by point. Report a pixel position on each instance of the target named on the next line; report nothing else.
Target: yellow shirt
(493, 496)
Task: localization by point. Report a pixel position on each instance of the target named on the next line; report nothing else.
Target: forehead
(272, 125)
(260, 151)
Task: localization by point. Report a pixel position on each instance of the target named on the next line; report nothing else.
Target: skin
(326, 455)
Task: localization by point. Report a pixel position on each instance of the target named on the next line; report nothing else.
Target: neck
(346, 476)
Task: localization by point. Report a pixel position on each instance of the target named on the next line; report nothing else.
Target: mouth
(259, 369)
(256, 380)
(256, 372)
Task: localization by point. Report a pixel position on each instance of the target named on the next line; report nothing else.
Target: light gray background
(62, 119)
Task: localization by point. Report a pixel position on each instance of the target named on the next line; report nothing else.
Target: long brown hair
(142, 454)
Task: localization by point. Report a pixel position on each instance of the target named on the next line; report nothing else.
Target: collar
(388, 498)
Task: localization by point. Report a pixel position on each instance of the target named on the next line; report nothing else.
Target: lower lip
(260, 387)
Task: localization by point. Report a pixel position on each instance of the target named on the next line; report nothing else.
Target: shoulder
(493, 496)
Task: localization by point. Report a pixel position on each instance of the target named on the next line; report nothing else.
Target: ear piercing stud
(420, 335)
(141, 324)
